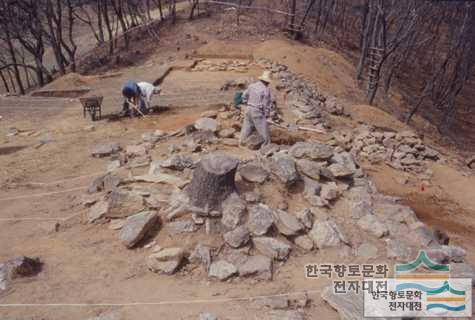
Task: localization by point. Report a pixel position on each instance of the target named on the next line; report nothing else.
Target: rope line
(43, 194)
(159, 303)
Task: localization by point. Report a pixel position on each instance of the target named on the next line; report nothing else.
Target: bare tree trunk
(5, 83)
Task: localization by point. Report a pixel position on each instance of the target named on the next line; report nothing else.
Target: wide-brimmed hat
(266, 76)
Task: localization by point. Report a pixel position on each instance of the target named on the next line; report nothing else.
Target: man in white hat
(148, 90)
(259, 106)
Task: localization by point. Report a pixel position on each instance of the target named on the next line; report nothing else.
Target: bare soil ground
(86, 264)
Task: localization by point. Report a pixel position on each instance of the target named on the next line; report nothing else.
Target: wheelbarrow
(93, 106)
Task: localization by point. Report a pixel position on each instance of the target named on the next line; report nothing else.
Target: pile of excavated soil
(375, 116)
(70, 81)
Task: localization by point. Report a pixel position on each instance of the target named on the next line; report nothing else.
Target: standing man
(259, 105)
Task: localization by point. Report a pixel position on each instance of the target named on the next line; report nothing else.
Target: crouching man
(259, 105)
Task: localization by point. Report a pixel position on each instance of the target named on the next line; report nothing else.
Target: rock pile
(403, 150)
(227, 65)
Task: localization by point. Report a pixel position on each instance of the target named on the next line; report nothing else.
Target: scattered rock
(251, 197)
(136, 151)
(367, 250)
(253, 173)
(261, 219)
(269, 149)
(182, 226)
(222, 270)
(237, 237)
(201, 254)
(312, 151)
(276, 302)
(330, 192)
(286, 315)
(283, 166)
(206, 124)
(349, 306)
(136, 227)
(259, 267)
(123, 204)
(304, 242)
(208, 316)
(98, 211)
(178, 162)
(309, 168)
(227, 133)
(105, 150)
(286, 223)
(117, 224)
(272, 248)
(374, 225)
(254, 141)
(233, 211)
(19, 267)
(399, 250)
(166, 260)
(446, 254)
(306, 218)
(340, 171)
(326, 234)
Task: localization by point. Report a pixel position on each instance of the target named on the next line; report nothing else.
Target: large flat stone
(136, 227)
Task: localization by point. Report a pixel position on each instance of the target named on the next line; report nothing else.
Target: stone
(269, 149)
(251, 197)
(230, 142)
(162, 178)
(166, 261)
(227, 133)
(113, 165)
(259, 267)
(367, 250)
(209, 114)
(286, 315)
(222, 270)
(349, 306)
(445, 254)
(304, 242)
(208, 316)
(105, 150)
(233, 208)
(116, 224)
(202, 137)
(123, 204)
(136, 227)
(214, 226)
(182, 226)
(97, 211)
(330, 191)
(275, 303)
(273, 248)
(312, 191)
(340, 171)
(286, 223)
(309, 168)
(178, 162)
(254, 141)
(326, 234)
(374, 225)
(253, 173)
(238, 237)
(283, 166)
(261, 218)
(306, 217)
(345, 159)
(136, 151)
(149, 137)
(206, 124)
(360, 209)
(396, 249)
(201, 254)
(462, 270)
(312, 151)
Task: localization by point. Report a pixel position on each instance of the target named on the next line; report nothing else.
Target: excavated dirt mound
(374, 116)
